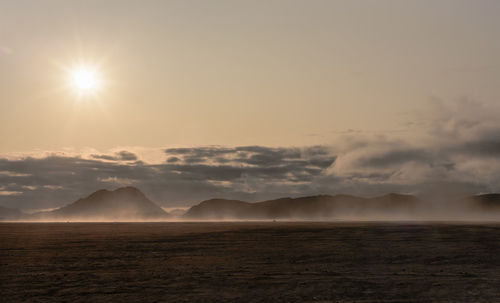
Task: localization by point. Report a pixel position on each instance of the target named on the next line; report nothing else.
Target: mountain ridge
(309, 207)
(125, 203)
(130, 204)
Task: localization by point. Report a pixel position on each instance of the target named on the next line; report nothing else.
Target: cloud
(453, 149)
(454, 143)
(13, 174)
(127, 156)
(186, 176)
(488, 147)
(9, 193)
(253, 156)
(396, 157)
(119, 156)
(117, 181)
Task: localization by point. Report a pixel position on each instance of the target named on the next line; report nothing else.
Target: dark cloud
(119, 156)
(488, 147)
(104, 157)
(201, 152)
(173, 160)
(244, 173)
(127, 156)
(396, 157)
(318, 156)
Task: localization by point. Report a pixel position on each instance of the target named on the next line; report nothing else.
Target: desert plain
(249, 262)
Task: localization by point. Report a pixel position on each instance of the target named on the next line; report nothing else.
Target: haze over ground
(251, 100)
(129, 204)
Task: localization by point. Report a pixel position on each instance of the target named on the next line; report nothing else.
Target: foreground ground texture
(249, 262)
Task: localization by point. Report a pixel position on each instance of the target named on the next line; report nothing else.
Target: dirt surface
(249, 262)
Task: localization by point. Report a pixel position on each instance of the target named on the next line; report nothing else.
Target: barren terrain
(249, 262)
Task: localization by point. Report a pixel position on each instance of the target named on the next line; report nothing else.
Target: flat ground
(249, 262)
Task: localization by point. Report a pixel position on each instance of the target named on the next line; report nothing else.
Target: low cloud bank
(450, 149)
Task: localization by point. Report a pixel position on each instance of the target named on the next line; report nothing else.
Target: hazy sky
(393, 75)
(237, 72)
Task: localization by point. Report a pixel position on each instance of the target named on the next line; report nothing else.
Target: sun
(85, 80)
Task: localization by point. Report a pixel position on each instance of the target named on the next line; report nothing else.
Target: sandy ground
(249, 262)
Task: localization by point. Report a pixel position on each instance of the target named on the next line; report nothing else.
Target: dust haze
(129, 204)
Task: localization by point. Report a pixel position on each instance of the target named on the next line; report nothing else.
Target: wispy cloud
(13, 174)
(9, 193)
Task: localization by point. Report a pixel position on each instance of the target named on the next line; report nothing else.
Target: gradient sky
(389, 74)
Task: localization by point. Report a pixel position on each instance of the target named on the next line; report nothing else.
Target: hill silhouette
(130, 204)
(312, 207)
(486, 201)
(126, 203)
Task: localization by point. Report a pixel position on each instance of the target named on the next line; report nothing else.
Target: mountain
(486, 201)
(130, 204)
(7, 214)
(219, 209)
(122, 204)
(312, 207)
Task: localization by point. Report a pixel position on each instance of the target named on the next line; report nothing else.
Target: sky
(249, 99)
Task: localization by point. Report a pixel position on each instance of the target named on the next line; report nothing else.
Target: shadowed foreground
(249, 262)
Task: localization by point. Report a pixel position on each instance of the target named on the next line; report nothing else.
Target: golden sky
(274, 73)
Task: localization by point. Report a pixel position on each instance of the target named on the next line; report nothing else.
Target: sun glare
(85, 80)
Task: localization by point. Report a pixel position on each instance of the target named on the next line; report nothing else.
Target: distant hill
(486, 201)
(126, 203)
(7, 214)
(313, 207)
(130, 204)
